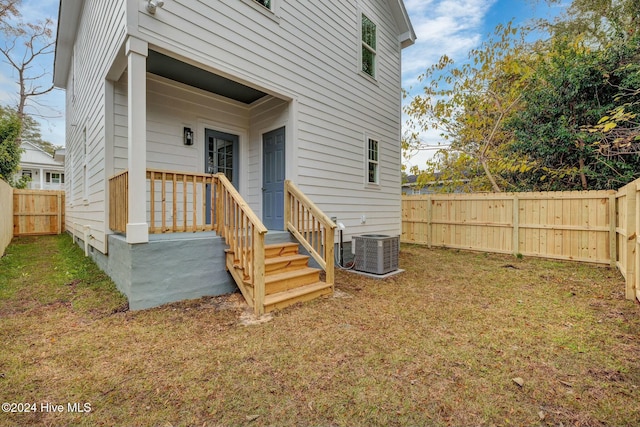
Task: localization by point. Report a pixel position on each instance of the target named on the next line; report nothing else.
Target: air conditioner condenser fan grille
(376, 254)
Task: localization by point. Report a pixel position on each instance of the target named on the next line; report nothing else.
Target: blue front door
(273, 173)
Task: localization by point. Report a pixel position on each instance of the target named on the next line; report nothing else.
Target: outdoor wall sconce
(152, 5)
(188, 136)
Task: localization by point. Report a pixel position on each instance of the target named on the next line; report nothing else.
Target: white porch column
(137, 227)
(41, 179)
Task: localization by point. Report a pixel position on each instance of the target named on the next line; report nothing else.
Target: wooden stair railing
(178, 201)
(313, 229)
(244, 233)
(185, 201)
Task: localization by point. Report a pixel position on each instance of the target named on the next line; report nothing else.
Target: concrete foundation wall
(167, 269)
(174, 267)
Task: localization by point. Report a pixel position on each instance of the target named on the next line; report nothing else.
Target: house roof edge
(68, 17)
(407, 35)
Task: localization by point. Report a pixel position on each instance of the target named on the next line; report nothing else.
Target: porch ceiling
(170, 68)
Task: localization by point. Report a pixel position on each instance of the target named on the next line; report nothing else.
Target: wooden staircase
(270, 276)
(288, 279)
(274, 276)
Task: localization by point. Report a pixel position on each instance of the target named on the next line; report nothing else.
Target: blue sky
(451, 27)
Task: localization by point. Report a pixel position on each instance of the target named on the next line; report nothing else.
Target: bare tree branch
(37, 39)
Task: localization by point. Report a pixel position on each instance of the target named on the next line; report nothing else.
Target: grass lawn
(445, 343)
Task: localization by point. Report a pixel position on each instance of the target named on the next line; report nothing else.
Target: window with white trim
(265, 3)
(373, 167)
(368, 53)
(54, 178)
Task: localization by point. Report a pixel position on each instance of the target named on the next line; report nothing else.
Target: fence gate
(38, 212)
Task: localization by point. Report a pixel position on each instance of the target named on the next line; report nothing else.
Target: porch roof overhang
(174, 69)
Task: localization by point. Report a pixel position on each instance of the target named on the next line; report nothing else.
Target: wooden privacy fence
(627, 222)
(6, 215)
(590, 226)
(560, 225)
(38, 212)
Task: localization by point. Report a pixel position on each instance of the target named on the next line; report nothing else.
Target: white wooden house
(46, 171)
(189, 115)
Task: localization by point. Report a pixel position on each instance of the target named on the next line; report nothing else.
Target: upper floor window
(372, 162)
(265, 3)
(368, 46)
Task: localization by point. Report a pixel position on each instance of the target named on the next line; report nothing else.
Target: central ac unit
(376, 253)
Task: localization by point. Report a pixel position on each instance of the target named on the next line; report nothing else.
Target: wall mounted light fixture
(152, 5)
(188, 136)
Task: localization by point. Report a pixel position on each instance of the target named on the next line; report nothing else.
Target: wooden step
(284, 299)
(280, 249)
(285, 263)
(275, 250)
(287, 280)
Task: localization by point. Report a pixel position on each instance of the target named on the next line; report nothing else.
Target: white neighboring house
(259, 90)
(46, 172)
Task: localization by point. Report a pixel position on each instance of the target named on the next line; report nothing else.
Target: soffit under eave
(407, 35)
(68, 18)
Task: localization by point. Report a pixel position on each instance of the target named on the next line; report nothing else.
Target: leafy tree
(468, 105)
(556, 114)
(9, 151)
(31, 131)
(574, 86)
(619, 129)
(596, 20)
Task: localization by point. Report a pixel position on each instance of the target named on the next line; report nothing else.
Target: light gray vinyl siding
(171, 106)
(120, 145)
(309, 52)
(100, 34)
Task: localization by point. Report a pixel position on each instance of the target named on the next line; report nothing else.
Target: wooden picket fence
(6, 215)
(627, 222)
(38, 212)
(589, 226)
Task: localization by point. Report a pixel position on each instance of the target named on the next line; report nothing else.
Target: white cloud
(450, 27)
(39, 10)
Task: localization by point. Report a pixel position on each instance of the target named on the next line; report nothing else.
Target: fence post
(636, 250)
(429, 219)
(516, 225)
(630, 246)
(59, 213)
(329, 237)
(613, 247)
(257, 240)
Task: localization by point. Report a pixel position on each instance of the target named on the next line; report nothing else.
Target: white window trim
(271, 13)
(50, 179)
(374, 78)
(367, 184)
(85, 168)
(69, 182)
